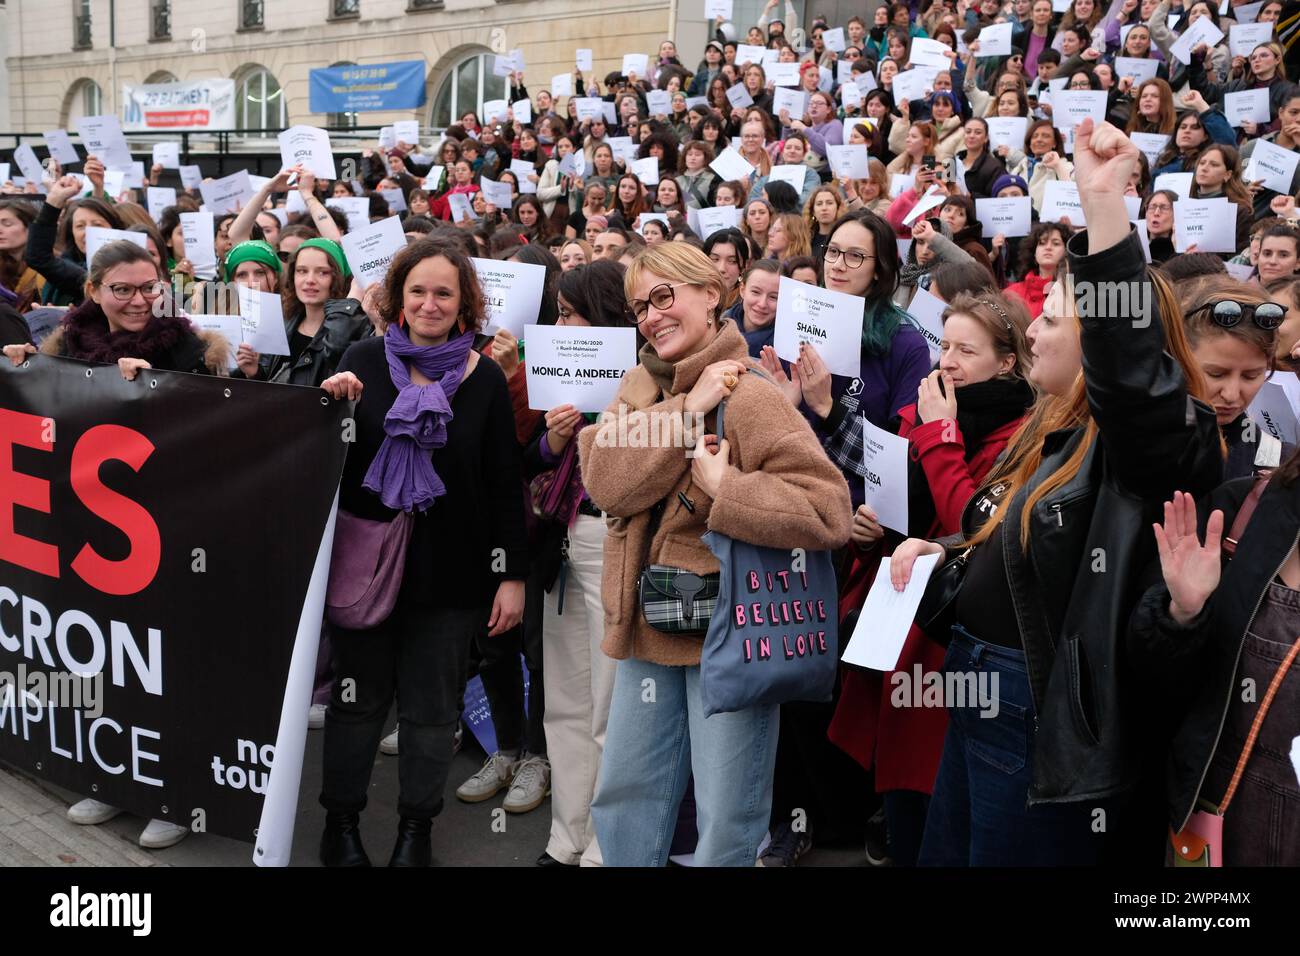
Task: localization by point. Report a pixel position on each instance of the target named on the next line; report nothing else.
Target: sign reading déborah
(367, 87)
(158, 634)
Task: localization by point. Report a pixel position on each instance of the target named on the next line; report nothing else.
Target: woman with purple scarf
(435, 437)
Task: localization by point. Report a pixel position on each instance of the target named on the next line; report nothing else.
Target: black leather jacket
(1195, 666)
(344, 324)
(1090, 542)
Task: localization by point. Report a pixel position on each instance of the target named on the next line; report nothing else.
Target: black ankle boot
(340, 844)
(413, 847)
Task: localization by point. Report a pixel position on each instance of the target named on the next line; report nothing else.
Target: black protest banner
(159, 537)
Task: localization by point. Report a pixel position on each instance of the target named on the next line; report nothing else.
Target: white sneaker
(531, 785)
(316, 717)
(497, 772)
(160, 834)
(90, 812)
(389, 745)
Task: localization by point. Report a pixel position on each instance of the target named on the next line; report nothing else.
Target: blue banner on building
(368, 87)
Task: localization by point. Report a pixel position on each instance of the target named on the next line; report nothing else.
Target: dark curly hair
(472, 312)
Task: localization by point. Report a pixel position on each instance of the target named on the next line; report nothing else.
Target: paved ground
(35, 832)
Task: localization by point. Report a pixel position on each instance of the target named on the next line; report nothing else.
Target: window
(345, 9)
(341, 120)
(413, 5)
(259, 101)
(161, 23)
(81, 39)
(85, 99)
(250, 14)
(161, 76)
(465, 87)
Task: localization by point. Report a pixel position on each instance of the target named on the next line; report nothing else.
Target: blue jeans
(979, 813)
(657, 737)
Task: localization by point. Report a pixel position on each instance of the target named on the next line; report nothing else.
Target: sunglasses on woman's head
(1229, 313)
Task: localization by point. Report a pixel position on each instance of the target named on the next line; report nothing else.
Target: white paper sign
(926, 52)
(562, 84)
(932, 198)
(1008, 131)
(1272, 165)
(866, 82)
(749, 53)
(1072, 107)
(721, 217)
(356, 208)
(899, 183)
(829, 321)
(739, 97)
(1141, 68)
(4, 173)
(1010, 216)
(884, 458)
(787, 99)
(1273, 412)
(789, 173)
(1153, 144)
(834, 39)
(783, 74)
(850, 96)
(387, 137)
(159, 198)
(309, 146)
(589, 108)
(717, 8)
(581, 367)
(494, 111)
(729, 164)
(635, 63)
(102, 138)
(228, 194)
(583, 61)
(1244, 37)
(850, 161)
(262, 318)
(912, 85)
(198, 230)
(512, 292)
(228, 327)
(1061, 201)
(522, 169)
(1246, 106)
(646, 170)
(97, 238)
(1202, 31)
(1246, 13)
(622, 147)
(370, 250)
(133, 176)
(462, 207)
(407, 131)
(1209, 224)
(191, 177)
(995, 40)
(60, 147)
(1179, 183)
(167, 155)
(497, 194)
(887, 615)
(395, 199)
(659, 102)
(28, 164)
(927, 309)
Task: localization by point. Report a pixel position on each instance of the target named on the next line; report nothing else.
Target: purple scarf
(402, 473)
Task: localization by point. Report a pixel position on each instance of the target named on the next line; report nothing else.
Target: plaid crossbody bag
(673, 600)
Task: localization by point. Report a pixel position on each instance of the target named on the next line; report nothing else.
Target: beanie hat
(254, 250)
(331, 249)
(1005, 180)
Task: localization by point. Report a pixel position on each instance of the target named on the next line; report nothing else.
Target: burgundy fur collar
(87, 337)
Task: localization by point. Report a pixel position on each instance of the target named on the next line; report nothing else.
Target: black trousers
(420, 655)
(503, 680)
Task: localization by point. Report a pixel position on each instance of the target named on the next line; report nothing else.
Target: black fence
(217, 153)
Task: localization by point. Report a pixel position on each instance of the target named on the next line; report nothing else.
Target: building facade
(69, 61)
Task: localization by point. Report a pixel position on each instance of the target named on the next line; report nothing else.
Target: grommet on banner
(227, 393)
(94, 788)
(38, 765)
(153, 383)
(324, 401)
(89, 372)
(164, 809)
(27, 364)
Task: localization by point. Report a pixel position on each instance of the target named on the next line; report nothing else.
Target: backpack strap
(1242, 517)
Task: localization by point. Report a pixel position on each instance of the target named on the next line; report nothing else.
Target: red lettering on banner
(156, 119)
(27, 491)
(134, 572)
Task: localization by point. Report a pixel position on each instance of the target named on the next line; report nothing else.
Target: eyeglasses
(661, 297)
(1160, 207)
(1229, 313)
(851, 259)
(125, 292)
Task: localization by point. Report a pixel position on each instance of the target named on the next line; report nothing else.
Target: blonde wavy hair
(677, 261)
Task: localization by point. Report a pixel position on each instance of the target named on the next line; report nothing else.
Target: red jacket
(907, 742)
(1031, 290)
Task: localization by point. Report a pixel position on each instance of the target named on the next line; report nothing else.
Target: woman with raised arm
(1122, 423)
